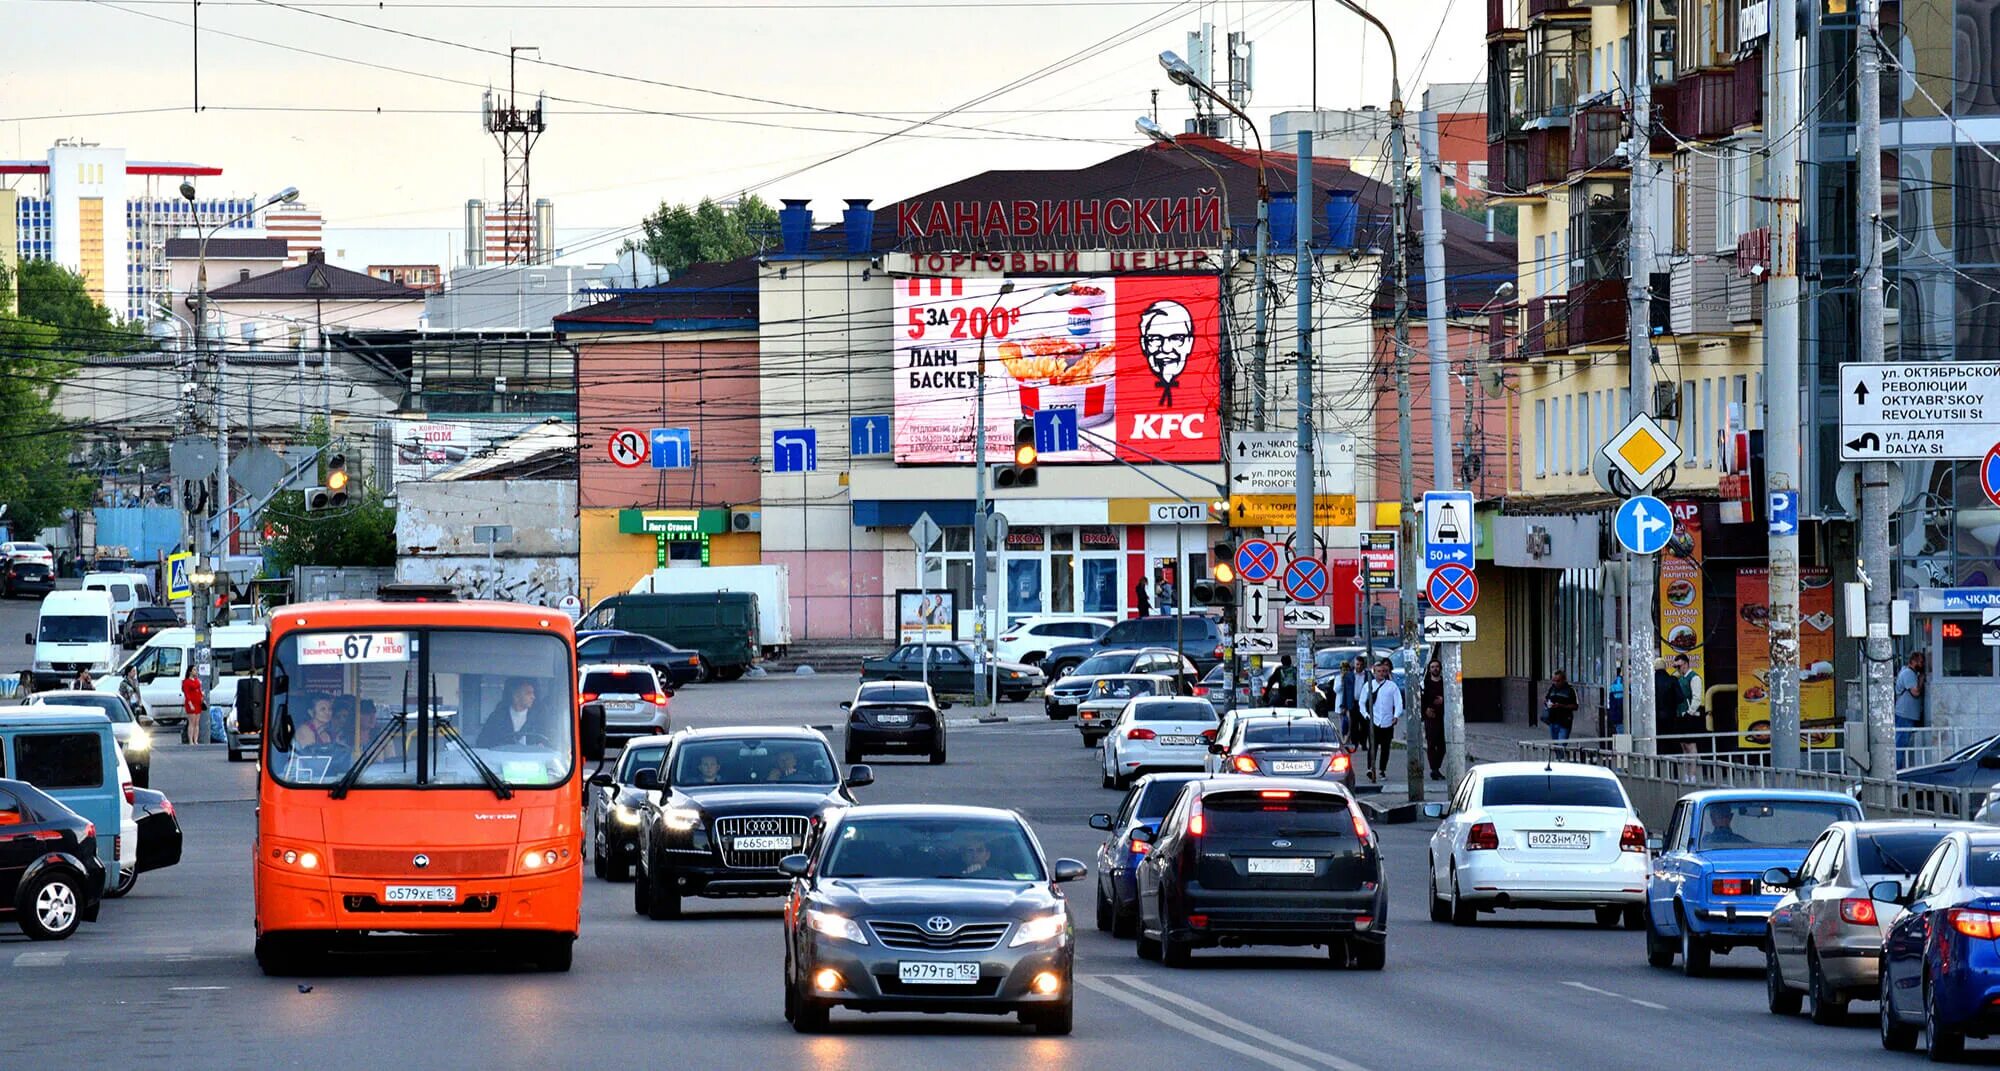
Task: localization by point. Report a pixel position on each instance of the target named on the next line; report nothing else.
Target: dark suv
(1200, 639)
(1262, 861)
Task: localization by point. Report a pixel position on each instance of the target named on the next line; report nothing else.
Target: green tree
(677, 236)
(363, 532)
(54, 295)
(1505, 218)
(37, 482)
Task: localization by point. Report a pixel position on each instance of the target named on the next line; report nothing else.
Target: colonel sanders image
(1166, 338)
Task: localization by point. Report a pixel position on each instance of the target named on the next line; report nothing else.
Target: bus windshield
(421, 708)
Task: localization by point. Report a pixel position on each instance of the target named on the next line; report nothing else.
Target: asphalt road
(166, 979)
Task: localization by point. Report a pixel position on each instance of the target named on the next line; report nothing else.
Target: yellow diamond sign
(1642, 450)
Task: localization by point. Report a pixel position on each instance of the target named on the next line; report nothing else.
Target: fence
(1831, 749)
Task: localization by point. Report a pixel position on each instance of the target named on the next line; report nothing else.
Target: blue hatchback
(1706, 893)
(1941, 959)
(1148, 801)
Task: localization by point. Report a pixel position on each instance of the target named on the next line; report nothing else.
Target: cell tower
(1232, 81)
(517, 130)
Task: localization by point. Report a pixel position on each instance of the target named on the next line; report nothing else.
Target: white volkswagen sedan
(1157, 732)
(1559, 835)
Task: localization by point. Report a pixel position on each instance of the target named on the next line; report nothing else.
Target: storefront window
(1100, 585)
(1961, 653)
(1024, 585)
(1062, 581)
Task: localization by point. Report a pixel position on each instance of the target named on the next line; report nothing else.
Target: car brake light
(1199, 922)
(655, 697)
(1341, 763)
(1969, 923)
(1482, 837)
(1244, 764)
(1633, 839)
(167, 805)
(1200, 692)
(1861, 912)
(1197, 824)
(1276, 794)
(1208, 735)
(130, 796)
(89, 829)
(1361, 830)
(588, 697)
(1140, 847)
(1732, 887)
(1140, 734)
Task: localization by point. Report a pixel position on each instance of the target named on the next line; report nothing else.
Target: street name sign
(1267, 462)
(1928, 409)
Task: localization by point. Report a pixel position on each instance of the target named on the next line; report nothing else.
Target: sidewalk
(1484, 742)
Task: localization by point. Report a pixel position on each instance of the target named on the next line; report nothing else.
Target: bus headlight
(301, 858)
(542, 858)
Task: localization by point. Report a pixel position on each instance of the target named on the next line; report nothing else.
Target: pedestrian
(1694, 719)
(1614, 721)
(1559, 706)
(1433, 704)
(1281, 688)
(1384, 704)
(1666, 702)
(1909, 704)
(83, 681)
(1140, 601)
(195, 702)
(1354, 683)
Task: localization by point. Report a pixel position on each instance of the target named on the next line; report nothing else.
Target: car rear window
(1159, 798)
(1302, 731)
(1552, 790)
(1740, 824)
(1898, 852)
(1178, 710)
(155, 613)
(906, 693)
(618, 683)
(1259, 815)
(1116, 662)
(1982, 864)
(873, 709)
(59, 760)
(1124, 689)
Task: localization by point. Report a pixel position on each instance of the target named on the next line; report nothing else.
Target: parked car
(1281, 742)
(145, 622)
(1255, 860)
(928, 908)
(610, 818)
(1029, 640)
(900, 717)
(23, 576)
(948, 668)
(1556, 835)
(1107, 699)
(1824, 937)
(720, 626)
(159, 835)
(133, 739)
(1975, 766)
(676, 666)
(1940, 965)
(1146, 802)
(1065, 693)
(1198, 636)
(1706, 894)
(1154, 733)
(22, 551)
(51, 878)
(635, 702)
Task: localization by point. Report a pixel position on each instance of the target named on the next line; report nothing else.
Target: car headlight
(839, 927)
(680, 819)
(626, 816)
(1040, 929)
(140, 740)
(1014, 674)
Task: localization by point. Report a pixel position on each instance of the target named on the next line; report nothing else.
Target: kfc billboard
(1136, 356)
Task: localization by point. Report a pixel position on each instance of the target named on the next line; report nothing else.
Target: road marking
(40, 959)
(196, 988)
(1238, 1025)
(1617, 996)
(1194, 1029)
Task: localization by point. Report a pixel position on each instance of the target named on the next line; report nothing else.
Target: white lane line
(1238, 1025)
(40, 959)
(1617, 996)
(1193, 1029)
(196, 988)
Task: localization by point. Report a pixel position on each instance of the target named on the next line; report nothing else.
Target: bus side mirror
(250, 705)
(593, 732)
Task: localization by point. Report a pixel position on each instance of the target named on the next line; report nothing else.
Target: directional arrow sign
(1643, 524)
(1923, 409)
(1784, 512)
(1254, 615)
(794, 450)
(868, 436)
(1266, 463)
(1302, 618)
(671, 448)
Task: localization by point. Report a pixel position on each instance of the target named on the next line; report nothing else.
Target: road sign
(1256, 561)
(1452, 589)
(1643, 524)
(1989, 475)
(1448, 530)
(673, 448)
(1056, 431)
(925, 532)
(1455, 628)
(868, 436)
(570, 605)
(1305, 579)
(1178, 513)
(794, 450)
(1300, 617)
(1267, 462)
(627, 447)
(1989, 627)
(257, 470)
(178, 585)
(1255, 643)
(1256, 611)
(1783, 511)
(1926, 409)
(1642, 451)
(1281, 511)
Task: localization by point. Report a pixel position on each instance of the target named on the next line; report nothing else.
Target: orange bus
(421, 773)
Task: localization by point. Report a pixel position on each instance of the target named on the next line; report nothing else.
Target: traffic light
(1224, 568)
(336, 480)
(1022, 472)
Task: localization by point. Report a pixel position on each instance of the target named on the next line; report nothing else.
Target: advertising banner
(1136, 358)
(1681, 594)
(425, 448)
(1753, 658)
(925, 616)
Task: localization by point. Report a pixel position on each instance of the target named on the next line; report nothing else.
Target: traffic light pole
(1305, 535)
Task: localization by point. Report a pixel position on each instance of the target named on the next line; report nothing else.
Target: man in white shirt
(514, 720)
(1382, 701)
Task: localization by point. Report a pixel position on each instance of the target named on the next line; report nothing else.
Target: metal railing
(1827, 749)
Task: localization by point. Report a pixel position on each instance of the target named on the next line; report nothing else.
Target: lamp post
(980, 474)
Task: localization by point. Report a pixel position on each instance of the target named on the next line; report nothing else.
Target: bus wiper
(368, 754)
(450, 732)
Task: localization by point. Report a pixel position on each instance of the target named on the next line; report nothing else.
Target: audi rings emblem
(421, 861)
(938, 924)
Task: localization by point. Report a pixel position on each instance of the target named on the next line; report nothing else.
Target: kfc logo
(1166, 338)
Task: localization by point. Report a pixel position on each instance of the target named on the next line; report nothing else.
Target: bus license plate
(762, 844)
(926, 973)
(420, 894)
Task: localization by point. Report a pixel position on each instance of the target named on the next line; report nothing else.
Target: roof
(1252, 782)
(45, 715)
(1494, 769)
(548, 448)
(229, 248)
(927, 810)
(724, 732)
(315, 281)
(704, 297)
(352, 612)
(1708, 795)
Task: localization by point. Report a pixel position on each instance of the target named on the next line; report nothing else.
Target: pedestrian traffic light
(1021, 473)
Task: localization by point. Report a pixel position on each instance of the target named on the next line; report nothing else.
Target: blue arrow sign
(1643, 525)
(1055, 431)
(1784, 512)
(1448, 528)
(868, 436)
(672, 448)
(794, 450)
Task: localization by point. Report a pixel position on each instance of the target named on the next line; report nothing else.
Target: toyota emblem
(421, 861)
(938, 924)
(1559, 819)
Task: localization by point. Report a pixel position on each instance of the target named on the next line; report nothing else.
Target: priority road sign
(794, 450)
(1305, 579)
(1642, 450)
(1448, 528)
(1643, 525)
(1452, 589)
(672, 448)
(627, 447)
(1256, 561)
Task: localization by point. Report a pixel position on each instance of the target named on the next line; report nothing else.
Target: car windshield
(1109, 662)
(1159, 798)
(1175, 710)
(1300, 731)
(1263, 815)
(1334, 658)
(967, 849)
(895, 693)
(640, 758)
(1971, 750)
(74, 628)
(1552, 790)
(600, 682)
(112, 706)
(753, 761)
(428, 708)
(1740, 824)
(1897, 853)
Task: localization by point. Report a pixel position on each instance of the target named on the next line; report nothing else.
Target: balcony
(1747, 112)
(1700, 295)
(1503, 18)
(1501, 344)
(1705, 106)
(1507, 166)
(1597, 139)
(1545, 328)
(1665, 121)
(1548, 156)
(1596, 312)
(1539, 8)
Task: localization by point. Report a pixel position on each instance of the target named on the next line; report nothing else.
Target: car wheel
(1107, 915)
(1780, 998)
(1694, 951)
(1087, 741)
(1172, 953)
(1897, 1035)
(937, 757)
(1368, 955)
(127, 878)
(1148, 948)
(1608, 918)
(54, 906)
(641, 892)
(731, 673)
(235, 755)
(702, 673)
(1056, 1020)
(1440, 910)
(1659, 950)
(1940, 1045)
(1462, 913)
(808, 1015)
(663, 902)
(1828, 1009)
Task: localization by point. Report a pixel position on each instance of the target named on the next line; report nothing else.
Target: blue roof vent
(795, 223)
(1284, 219)
(859, 223)
(1343, 210)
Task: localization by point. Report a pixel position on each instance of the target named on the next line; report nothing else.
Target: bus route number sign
(340, 648)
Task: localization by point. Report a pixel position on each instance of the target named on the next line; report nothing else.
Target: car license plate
(1764, 889)
(1180, 741)
(1296, 766)
(927, 973)
(420, 894)
(621, 706)
(893, 719)
(1558, 840)
(1281, 866)
(762, 844)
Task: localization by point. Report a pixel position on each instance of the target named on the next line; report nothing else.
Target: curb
(1002, 719)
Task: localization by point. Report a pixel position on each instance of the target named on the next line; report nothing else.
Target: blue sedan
(1148, 801)
(1940, 962)
(1706, 893)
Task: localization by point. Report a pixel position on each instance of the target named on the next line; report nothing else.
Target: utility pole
(1406, 558)
(1642, 650)
(980, 474)
(1436, 335)
(1781, 375)
(1260, 389)
(1305, 532)
(1878, 649)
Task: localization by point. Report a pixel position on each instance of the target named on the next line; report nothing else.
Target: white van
(128, 591)
(78, 630)
(154, 672)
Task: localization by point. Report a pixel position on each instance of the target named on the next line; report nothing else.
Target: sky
(372, 110)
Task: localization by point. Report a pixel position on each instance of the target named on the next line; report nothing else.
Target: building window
(1690, 429)
(1756, 419)
(1556, 54)
(1961, 653)
(1589, 433)
(1705, 446)
(1598, 214)
(1541, 265)
(1541, 437)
